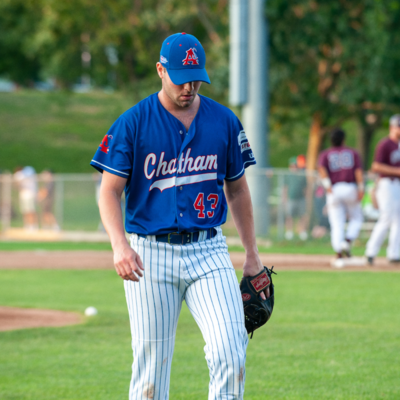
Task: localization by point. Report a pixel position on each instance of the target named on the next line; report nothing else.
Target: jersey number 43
(200, 207)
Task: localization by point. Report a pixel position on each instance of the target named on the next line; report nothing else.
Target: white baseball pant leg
(343, 204)
(202, 275)
(388, 197)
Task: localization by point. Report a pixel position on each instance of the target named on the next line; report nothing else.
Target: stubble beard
(185, 103)
(176, 98)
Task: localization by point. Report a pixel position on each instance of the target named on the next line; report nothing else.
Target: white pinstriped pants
(202, 275)
(388, 197)
(342, 203)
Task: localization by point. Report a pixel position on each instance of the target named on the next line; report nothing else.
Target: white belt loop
(202, 236)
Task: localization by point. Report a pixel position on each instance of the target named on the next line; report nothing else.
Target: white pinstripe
(202, 275)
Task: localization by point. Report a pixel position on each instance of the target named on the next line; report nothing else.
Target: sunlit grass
(331, 336)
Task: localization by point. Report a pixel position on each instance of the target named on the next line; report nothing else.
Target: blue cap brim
(181, 76)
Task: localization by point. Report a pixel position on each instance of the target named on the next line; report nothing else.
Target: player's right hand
(253, 266)
(128, 264)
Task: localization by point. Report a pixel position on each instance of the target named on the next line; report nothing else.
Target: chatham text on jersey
(181, 166)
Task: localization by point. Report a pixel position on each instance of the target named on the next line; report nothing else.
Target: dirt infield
(21, 318)
(104, 260)
(14, 318)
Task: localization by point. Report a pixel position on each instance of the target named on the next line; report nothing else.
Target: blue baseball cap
(184, 58)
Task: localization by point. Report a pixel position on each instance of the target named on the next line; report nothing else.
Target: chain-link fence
(50, 202)
(294, 203)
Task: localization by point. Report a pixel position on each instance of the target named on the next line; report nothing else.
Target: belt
(184, 237)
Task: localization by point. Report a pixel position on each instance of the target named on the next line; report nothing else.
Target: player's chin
(185, 103)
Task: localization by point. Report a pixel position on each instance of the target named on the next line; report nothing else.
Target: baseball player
(174, 154)
(342, 177)
(387, 164)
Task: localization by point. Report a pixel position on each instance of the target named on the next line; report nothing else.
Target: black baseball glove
(256, 310)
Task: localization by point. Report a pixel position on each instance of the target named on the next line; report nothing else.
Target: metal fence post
(59, 200)
(281, 211)
(6, 183)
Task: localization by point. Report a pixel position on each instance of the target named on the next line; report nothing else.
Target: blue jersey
(174, 178)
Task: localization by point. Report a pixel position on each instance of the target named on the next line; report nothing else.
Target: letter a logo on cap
(191, 57)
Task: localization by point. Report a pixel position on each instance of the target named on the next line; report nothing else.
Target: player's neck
(394, 138)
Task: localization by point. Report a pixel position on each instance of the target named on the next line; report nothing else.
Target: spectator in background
(46, 200)
(320, 214)
(294, 198)
(26, 181)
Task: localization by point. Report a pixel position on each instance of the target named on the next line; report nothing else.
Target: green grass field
(333, 335)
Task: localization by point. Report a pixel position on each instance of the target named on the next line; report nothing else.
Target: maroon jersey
(388, 152)
(341, 163)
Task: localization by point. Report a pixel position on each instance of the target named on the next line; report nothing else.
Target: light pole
(249, 88)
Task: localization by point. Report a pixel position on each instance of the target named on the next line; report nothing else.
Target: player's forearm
(239, 202)
(380, 168)
(111, 216)
(323, 173)
(325, 180)
(359, 177)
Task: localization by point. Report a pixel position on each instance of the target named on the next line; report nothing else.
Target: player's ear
(160, 70)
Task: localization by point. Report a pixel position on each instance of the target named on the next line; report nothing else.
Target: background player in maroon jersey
(387, 164)
(342, 177)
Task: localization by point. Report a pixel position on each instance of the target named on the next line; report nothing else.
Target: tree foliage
(122, 37)
(18, 19)
(333, 54)
(334, 60)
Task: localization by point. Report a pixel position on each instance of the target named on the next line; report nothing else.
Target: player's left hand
(360, 195)
(253, 266)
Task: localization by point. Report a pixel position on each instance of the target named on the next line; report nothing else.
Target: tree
(18, 19)
(332, 60)
(123, 38)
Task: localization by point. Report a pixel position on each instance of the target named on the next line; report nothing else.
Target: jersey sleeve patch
(240, 155)
(115, 151)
